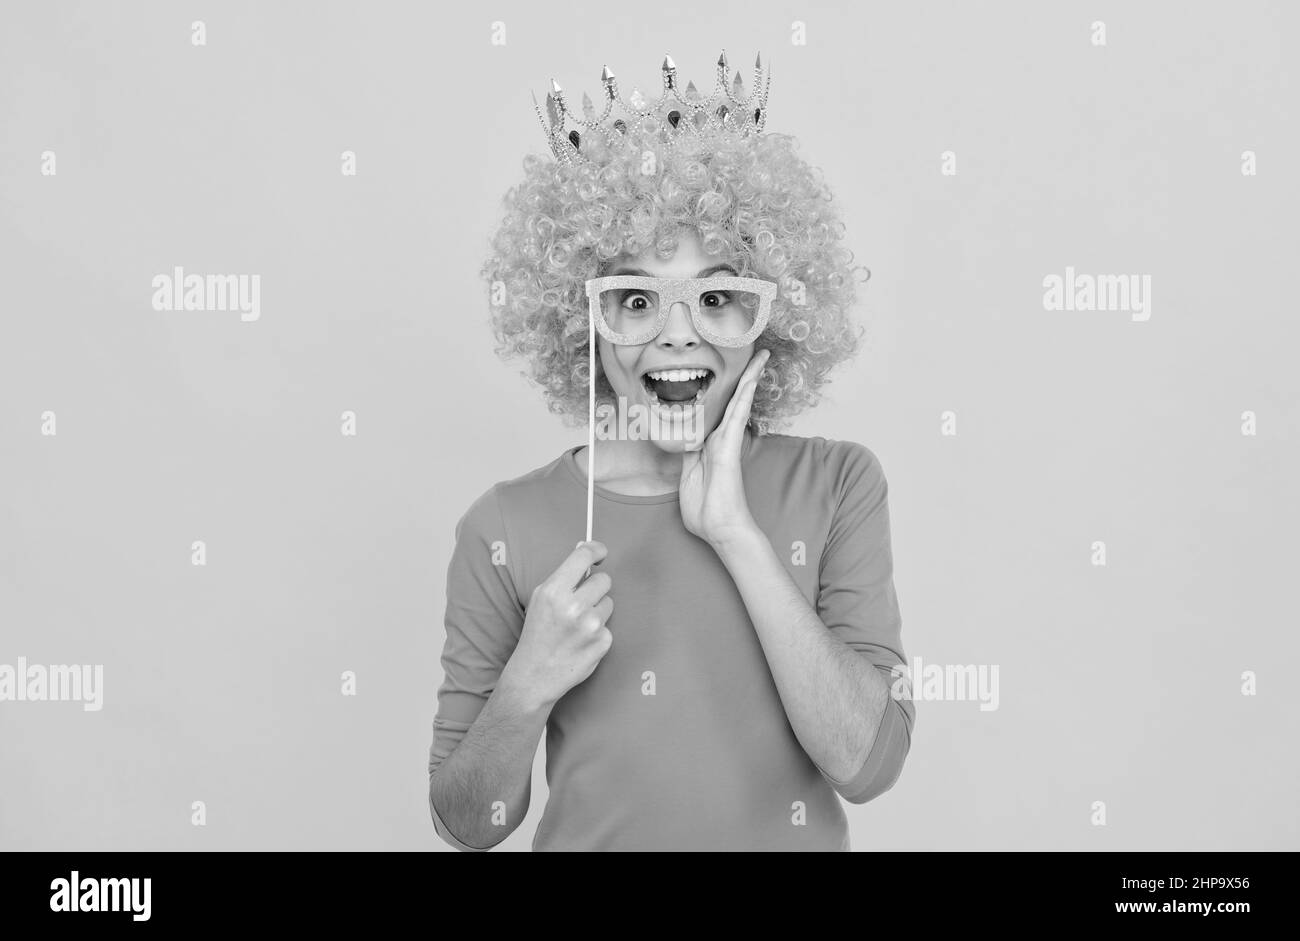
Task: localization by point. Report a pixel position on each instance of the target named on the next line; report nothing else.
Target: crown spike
(670, 72)
(722, 61)
(758, 61)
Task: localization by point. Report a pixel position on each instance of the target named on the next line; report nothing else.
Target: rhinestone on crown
(728, 110)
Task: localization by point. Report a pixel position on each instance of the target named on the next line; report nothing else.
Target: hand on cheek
(712, 491)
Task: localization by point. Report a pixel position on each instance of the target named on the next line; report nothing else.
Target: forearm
(492, 763)
(834, 698)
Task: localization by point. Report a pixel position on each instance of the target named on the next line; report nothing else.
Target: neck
(635, 467)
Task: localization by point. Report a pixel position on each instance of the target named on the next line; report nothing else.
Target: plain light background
(327, 553)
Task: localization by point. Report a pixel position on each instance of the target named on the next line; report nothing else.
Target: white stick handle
(591, 421)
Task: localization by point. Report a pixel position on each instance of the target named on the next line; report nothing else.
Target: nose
(678, 333)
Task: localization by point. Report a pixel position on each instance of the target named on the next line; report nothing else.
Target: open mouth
(677, 387)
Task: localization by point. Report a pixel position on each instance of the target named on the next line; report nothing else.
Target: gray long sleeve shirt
(678, 740)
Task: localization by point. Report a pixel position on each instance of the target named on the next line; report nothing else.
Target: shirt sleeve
(483, 620)
(857, 602)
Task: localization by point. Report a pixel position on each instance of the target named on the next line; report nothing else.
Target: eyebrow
(645, 274)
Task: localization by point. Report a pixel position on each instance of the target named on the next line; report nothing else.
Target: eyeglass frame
(672, 291)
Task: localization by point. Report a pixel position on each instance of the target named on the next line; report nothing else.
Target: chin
(690, 434)
(676, 446)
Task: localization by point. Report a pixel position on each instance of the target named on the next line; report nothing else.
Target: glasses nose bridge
(679, 323)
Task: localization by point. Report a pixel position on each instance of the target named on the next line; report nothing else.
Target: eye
(637, 301)
(719, 299)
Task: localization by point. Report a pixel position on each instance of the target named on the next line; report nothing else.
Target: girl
(725, 658)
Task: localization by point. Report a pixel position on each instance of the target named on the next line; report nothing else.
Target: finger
(733, 432)
(756, 364)
(731, 402)
(732, 428)
(593, 589)
(604, 608)
(571, 570)
(753, 370)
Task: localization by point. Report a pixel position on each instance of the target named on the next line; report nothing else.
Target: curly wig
(754, 202)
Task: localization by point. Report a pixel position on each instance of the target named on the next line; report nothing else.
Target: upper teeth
(677, 375)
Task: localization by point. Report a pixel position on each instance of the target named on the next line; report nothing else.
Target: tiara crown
(728, 111)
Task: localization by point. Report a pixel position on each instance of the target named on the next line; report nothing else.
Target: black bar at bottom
(439, 892)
